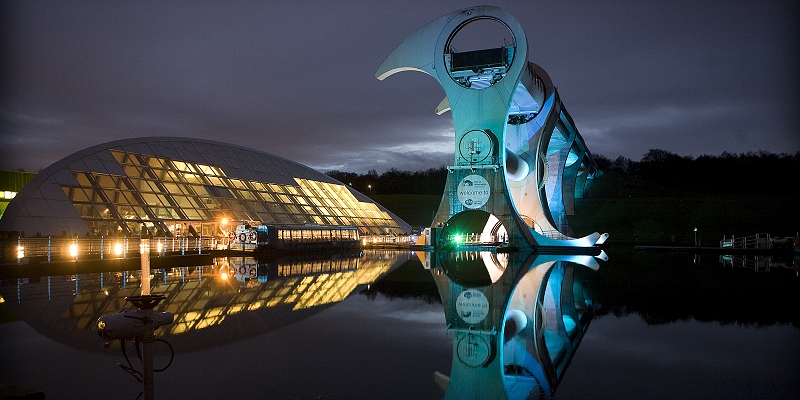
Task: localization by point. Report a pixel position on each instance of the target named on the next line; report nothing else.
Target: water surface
(665, 326)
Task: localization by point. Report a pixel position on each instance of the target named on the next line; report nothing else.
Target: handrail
(757, 241)
(62, 248)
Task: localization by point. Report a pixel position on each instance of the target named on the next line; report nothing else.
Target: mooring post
(147, 356)
(146, 303)
(147, 340)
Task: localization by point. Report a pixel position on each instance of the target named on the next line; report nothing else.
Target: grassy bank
(632, 211)
(416, 209)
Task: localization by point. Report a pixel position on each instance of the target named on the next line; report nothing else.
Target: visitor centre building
(169, 186)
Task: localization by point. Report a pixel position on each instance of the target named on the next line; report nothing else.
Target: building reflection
(516, 320)
(234, 298)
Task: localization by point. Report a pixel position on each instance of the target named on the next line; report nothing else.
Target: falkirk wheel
(516, 320)
(519, 160)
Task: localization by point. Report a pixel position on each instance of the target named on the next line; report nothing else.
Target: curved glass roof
(179, 186)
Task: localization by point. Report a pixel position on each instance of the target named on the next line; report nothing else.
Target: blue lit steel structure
(516, 320)
(519, 159)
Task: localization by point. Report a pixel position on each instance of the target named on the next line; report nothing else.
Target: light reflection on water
(334, 330)
(240, 291)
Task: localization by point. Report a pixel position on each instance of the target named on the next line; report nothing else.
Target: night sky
(296, 79)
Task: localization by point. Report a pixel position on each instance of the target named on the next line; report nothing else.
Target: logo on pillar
(472, 306)
(473, 191)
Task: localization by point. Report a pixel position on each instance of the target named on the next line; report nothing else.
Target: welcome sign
(472, 306)
(473, 191)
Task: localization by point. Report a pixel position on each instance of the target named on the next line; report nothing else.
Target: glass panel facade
(167, 197)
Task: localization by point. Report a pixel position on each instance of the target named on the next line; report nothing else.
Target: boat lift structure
(519, 159)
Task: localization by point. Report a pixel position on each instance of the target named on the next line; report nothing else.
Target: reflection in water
(234, 298)
(516, 320)
(667, 328)
(760, 263)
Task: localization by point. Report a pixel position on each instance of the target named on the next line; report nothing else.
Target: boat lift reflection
(516, 320)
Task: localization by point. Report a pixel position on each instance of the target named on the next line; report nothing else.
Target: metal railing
(384, 239)
(757, 241)
(59, 248)
(554, 234)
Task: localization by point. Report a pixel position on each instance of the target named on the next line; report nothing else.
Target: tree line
(758, 172)
(393, 181)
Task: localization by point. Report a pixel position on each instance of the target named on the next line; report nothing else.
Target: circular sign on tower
(472, 306)
(473, 350)
(475, 146)
(474, 191)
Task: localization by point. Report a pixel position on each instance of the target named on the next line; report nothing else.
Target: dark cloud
(296, 79)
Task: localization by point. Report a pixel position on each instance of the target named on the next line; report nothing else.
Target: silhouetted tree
(603, 163)
(394, 181)
(746, 173)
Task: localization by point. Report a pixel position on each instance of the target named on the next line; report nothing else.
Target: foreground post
(138, 325)
(146, 302)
